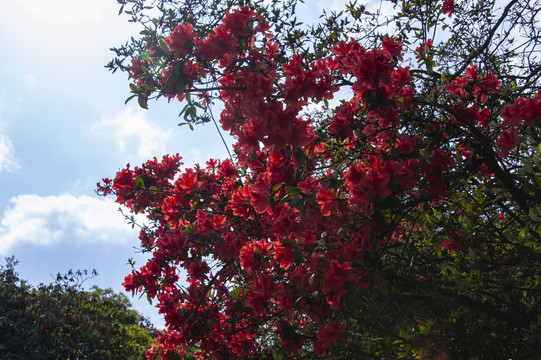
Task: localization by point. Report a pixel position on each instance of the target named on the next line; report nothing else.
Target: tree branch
(488, 40)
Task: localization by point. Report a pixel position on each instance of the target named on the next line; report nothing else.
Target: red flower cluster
(448, 7)
(474, 87)
(524, 112)
(423, 50)
(527, 110)
(508, 140)
(182, 40)
(328, 335)
(136, 67)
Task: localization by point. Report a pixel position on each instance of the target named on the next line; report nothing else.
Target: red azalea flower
(236, 22)
(181, 40)
(123, 185)
(513, 114)
(508, 140)
(375, 183)
(532, 111)
(328, 335)
(326, 201)
(393, 46)
(448, 7)
(136, 69)
(217, 45)
(423, 49)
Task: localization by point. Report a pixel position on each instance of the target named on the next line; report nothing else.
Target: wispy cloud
(133, 132)
(47, 220)
(8, 161)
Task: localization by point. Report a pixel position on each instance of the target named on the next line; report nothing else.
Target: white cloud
(8, 162)
(134, 133)
(43, 221)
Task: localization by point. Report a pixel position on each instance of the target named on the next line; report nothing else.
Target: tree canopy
(63, 321)
(383, 198)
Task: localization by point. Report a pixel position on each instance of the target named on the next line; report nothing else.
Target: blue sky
(63, 127)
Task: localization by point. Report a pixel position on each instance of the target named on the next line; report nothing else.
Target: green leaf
(293, 190)
(299, 155)
(471, 255)
(404, 334)
(302, 208)
(181, 83)
(430, 66)
(139, 183)
(129, 98)
(277, 356)
(164, 45)
(424, 154)
(142, 101)
(527, 166)
(297, 255)
(170, 81)
(533, 214)
(285, 199)
(289, 242)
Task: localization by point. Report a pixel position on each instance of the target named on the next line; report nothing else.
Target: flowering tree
(383, 199)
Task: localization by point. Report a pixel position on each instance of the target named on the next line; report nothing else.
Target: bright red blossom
(448, 7)
(508, 140)
(328, 335)
(423, 50)
(528, 110)
(181, 40)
